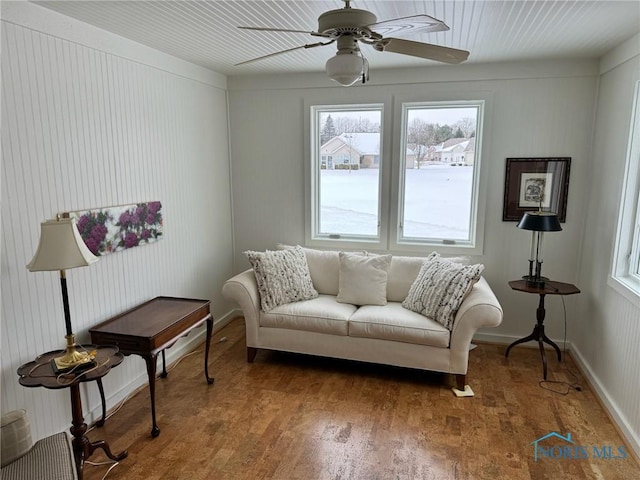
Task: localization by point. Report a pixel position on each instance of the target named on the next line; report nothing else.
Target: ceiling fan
(347, 26)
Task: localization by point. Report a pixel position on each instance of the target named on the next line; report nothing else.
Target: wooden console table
(548, 288)
(149, 329)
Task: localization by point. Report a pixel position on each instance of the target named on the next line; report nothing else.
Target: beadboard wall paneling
(84, 128)
(606, 333)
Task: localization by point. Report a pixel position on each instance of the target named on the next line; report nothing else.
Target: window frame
(444, 98)
(312, 203)
(401, 242)
(389, 169)
(625, 271)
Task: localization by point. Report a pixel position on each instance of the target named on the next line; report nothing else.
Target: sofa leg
(461, 381)
(251, 354)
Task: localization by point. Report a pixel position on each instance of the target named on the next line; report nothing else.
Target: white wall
(606, 334)
(536, 109)
(92, 120)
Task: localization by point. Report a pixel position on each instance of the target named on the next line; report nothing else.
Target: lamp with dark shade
(61, 248)
(538, 222)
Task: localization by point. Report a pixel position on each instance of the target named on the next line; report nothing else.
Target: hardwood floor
(289, 416)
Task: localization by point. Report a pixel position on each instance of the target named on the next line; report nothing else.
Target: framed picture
(533, 183)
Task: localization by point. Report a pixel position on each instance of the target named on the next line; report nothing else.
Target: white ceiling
(206, 33)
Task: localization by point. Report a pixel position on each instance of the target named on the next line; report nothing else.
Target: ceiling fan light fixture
(345, 68)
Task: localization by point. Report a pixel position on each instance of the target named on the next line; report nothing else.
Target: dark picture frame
(529, 180)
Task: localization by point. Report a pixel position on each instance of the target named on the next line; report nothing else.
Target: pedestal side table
(39, 373)
(548, 288)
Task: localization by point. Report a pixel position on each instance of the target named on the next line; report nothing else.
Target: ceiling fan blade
(275, 29)
(309, 45)
(422, 50)
(409, 25)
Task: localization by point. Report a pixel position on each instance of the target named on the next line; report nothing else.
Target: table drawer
(126, 345)
(176, 330)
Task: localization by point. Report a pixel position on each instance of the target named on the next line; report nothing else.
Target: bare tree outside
(355, 125)
(420, 135)
(467, 126)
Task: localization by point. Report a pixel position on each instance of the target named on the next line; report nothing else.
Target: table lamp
(538, 222)
(61, 247)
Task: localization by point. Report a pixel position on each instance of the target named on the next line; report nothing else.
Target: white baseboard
(181, 348)
(509, 339)
(609, 404)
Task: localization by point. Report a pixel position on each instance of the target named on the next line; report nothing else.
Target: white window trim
(389, 172)
(312, 179)
(627, 246)
(402, 242)
(480, 178)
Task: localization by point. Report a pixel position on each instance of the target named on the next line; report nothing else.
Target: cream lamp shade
(61, 247)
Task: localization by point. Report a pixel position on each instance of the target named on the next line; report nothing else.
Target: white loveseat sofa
(386, 334)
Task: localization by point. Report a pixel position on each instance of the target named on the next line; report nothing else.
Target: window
(346, 204)
(396, 181)
(440, 160)
(626, 265)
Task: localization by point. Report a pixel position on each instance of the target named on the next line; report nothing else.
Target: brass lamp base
(72, 358)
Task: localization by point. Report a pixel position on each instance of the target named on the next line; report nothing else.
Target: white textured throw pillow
(440, 288)
(363, 279)
(282, 277)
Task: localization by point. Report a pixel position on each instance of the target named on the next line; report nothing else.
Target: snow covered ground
(437, 201)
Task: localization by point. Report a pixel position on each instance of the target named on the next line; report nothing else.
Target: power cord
(113, 464)
(545, 384)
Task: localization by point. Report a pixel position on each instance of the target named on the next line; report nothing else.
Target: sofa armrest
(480, 309)
(243, 289)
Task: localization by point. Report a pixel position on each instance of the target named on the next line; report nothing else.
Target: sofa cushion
(402, 273)
(363, 279)
(440, 288)
(395, 323)
(282, 277)
(404, 270)
(324, 267)
(323, 314)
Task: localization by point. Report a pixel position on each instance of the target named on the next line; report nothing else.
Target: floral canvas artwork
(112, 229)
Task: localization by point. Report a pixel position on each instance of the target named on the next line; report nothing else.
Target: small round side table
(547, 288)
(40, 373)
